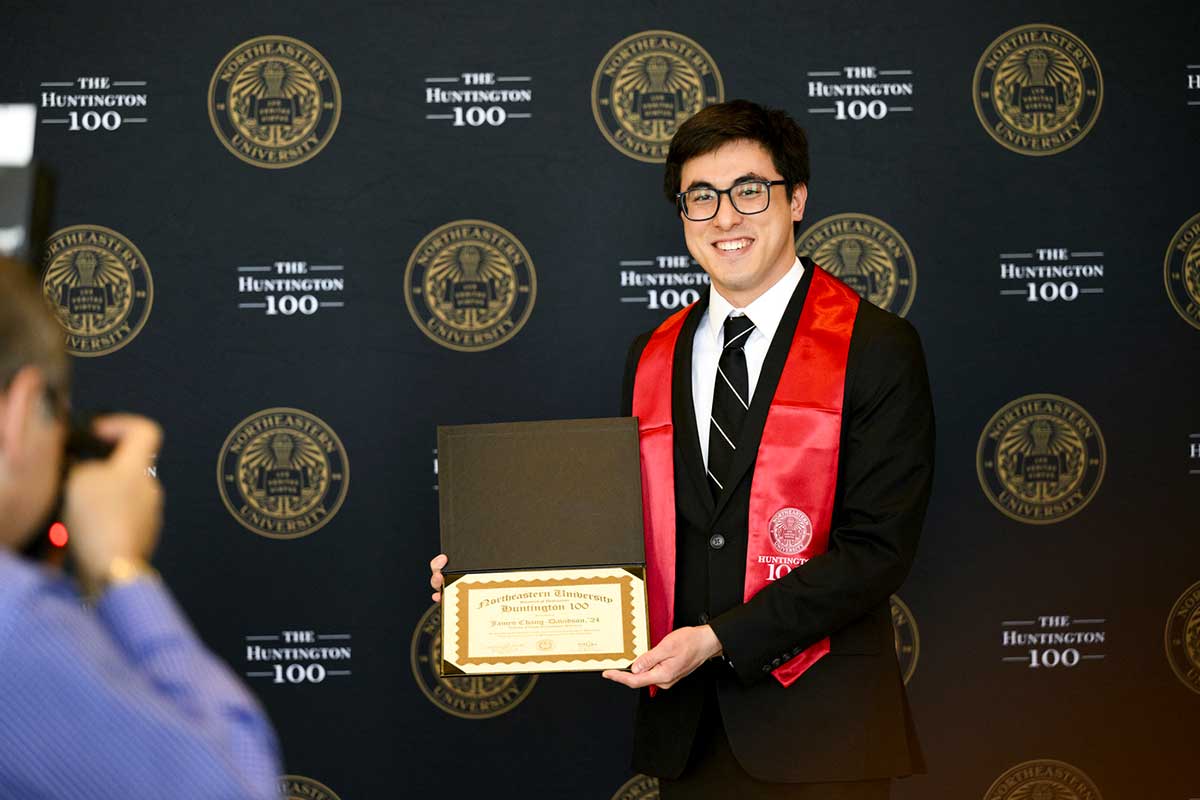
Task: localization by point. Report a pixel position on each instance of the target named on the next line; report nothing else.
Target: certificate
(543, 621)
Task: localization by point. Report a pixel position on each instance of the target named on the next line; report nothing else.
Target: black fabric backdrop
(389, 176)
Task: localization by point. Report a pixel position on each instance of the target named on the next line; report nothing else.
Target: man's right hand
(113, 507)
(435, 579)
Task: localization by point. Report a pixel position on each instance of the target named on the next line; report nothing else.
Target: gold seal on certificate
(541, 523)
(544, 620)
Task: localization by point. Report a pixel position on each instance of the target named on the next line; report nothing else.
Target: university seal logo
(99, 285)
(274, 102)
(648, 84)
(639, 787)
(467, 696)
(1043, 779)
(1041, 459)
(791, 531)
(907, 636)
(867, 254)
(1183, 637)
(1037, 90)
(470, 285)
(298, 787)
(283, 473)
(1181, 271)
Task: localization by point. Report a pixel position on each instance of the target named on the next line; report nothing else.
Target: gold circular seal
(470, 285)
(1181, 271)
(907, 637)
(99, 285)
(1037, 90)
(1182, 637)
(648, 84)
(298, 787)
(467, 696)
(1043, 779)
(867, 254)
(1040, 459)
(283, 473)
(639, 787)
(274, 101)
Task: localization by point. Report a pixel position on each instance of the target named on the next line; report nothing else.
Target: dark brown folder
(534, 495)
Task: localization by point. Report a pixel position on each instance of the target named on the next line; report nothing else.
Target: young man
(787, 448)
(787, 440)
(120, 699)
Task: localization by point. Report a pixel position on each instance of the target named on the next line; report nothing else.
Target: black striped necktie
(731, 400)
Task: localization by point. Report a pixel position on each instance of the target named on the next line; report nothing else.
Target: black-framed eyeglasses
(748, 197)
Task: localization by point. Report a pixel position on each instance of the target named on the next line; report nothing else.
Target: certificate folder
(542, 525)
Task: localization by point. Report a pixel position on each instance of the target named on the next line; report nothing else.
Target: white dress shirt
(765, 312)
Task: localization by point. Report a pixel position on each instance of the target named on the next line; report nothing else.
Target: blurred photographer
(119, 699)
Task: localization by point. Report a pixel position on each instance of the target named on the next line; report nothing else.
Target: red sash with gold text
(795, 471)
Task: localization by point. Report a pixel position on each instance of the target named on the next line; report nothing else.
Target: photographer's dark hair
(715, 126)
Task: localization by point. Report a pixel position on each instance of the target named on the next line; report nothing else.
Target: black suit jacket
(847, 717)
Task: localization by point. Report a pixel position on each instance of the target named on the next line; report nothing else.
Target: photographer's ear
(25, 413)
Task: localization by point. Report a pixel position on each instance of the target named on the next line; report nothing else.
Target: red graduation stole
(795, 471)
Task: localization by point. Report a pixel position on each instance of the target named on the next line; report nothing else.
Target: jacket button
(703, 618)
(716, 541)
(766, 667)
(777, 662)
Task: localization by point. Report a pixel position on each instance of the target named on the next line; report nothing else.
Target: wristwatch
(122, 571)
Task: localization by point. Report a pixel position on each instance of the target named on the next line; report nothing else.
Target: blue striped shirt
(122, 701)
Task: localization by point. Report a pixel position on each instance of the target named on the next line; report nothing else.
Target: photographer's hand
(113, 507)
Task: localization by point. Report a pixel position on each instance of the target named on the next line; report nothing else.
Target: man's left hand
(680, 652)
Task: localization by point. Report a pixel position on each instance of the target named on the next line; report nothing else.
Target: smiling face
(743, 254)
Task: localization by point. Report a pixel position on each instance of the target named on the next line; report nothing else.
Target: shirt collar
(765, 312)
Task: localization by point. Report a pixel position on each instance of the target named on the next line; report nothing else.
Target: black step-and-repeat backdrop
(303, 234)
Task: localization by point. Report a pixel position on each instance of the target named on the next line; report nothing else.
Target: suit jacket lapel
(683, 408)
(764, 391)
